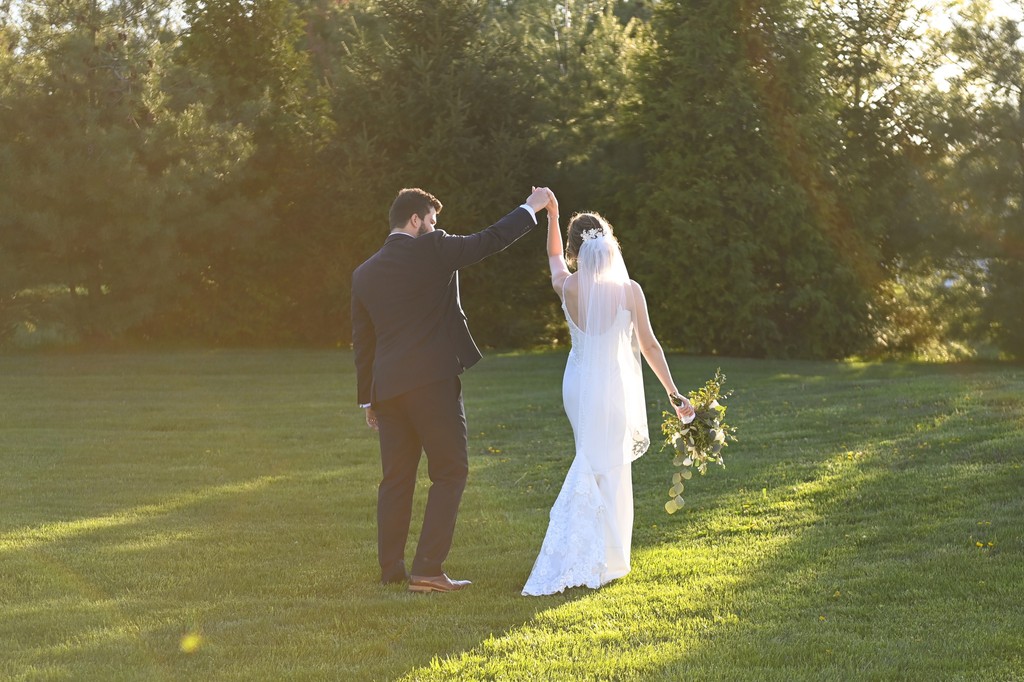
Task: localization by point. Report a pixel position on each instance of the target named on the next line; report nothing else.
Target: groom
(411, 342)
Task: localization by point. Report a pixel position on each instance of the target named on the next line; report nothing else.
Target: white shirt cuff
(533, 214)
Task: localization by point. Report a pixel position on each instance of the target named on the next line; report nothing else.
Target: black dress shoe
(395, 579)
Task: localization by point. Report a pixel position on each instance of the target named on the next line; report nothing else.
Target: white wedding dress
(590, 526)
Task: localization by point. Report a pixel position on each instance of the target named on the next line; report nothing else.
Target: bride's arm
(556, 259)
(651, 348)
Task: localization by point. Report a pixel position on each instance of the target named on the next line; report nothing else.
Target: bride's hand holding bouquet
(697, 433)
(683, 407)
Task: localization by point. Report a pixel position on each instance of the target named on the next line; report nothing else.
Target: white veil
(612, 409)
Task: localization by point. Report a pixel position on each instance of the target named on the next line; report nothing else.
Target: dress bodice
(622, 324)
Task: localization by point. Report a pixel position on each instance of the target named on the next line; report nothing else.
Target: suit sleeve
(458, 251)
(364, 345)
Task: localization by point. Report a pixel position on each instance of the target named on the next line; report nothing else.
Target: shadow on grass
(270, 572)
(271, 576)
(274, 574)
(57, 531)
(855, 554)
(891, 579)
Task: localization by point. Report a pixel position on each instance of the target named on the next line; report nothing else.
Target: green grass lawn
(211, 515)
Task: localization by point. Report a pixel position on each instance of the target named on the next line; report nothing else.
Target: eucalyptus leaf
(699, 443)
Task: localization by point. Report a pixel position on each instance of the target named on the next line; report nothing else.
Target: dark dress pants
(432, 420)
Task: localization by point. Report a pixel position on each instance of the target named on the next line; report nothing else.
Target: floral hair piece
(592, 233)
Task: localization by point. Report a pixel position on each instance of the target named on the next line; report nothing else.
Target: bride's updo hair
(589, 224)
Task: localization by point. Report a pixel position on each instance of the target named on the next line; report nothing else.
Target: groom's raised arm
(458, 251)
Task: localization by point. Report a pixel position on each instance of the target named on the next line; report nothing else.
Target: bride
(591, 523)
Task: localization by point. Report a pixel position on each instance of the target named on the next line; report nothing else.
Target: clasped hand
(543, 198)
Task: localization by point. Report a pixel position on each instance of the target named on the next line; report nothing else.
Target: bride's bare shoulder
(570, 283)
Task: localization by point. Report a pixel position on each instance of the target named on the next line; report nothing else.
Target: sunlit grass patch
(211, 515)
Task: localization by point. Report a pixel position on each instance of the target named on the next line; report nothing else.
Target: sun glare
(943, 16)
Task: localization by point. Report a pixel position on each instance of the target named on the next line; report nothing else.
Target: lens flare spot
(190, 642)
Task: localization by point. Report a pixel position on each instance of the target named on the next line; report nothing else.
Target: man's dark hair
(409, 202)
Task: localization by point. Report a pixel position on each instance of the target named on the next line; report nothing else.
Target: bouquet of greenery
(701, 441)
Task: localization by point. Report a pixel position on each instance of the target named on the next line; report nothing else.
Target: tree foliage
(786, 176)
(432, 94)
(247, 64)
(96, 167)
(984, 117)
(737, 224)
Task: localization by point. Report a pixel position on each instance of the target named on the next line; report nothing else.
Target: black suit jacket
(408, 326)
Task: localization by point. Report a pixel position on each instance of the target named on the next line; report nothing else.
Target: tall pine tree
(733, 225)
(89, 179)
(247, 65)
(433, 94)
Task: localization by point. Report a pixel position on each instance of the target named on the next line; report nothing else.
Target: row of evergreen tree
(788, 178)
